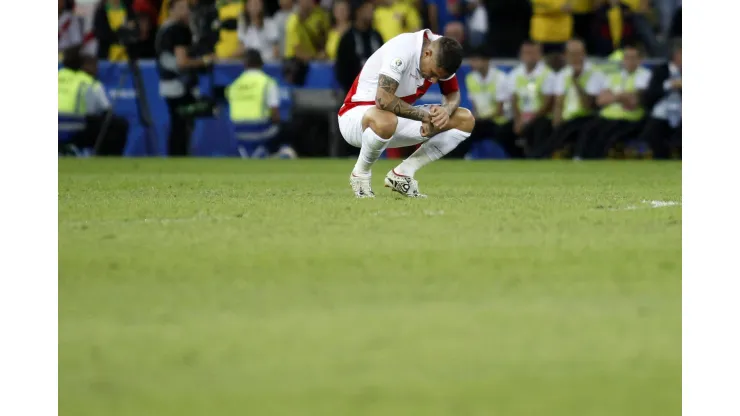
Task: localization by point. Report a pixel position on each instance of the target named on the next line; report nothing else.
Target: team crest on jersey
(397, 65)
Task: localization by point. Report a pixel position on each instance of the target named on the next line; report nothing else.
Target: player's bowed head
(440, 59)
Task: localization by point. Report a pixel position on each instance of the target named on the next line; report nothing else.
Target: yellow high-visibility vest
(529, 91)
(572, 106)
(247, 97)
(620, 83)
(483, 95)
(73, 86)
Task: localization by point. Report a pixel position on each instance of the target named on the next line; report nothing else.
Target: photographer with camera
(178, 75)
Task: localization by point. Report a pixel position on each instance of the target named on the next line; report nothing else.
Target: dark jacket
(351, 56)
(656, 89)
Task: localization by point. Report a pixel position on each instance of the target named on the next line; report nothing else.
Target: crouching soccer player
(378, 113)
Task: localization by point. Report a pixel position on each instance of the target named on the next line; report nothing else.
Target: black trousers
(181, 126)
(486, 129)
(603, 134)
(662, 137)
(563, 137)
(113, 143)
(536, 133)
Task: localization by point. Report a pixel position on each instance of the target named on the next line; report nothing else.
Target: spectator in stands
(583, 13)
(552, 23)
(576, 88)
(393, 17)
(356, 47)
(341, 24)
(488, 91)
(109, 17)
(613, 27)
(643, 28)
(621, 117)
(229, 44)
(257, 32)
(532, 88)
(305, 32)
(676, 23)
(477, 22)
(254, 105)
(669, 13)
(442, 12)
(456, 30)
(71, 27)
(663, 96)
(280, 19)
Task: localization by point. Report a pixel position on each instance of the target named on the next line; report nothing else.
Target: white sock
(433, 149)
(372, 147)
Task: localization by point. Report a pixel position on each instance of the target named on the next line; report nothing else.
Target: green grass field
(230, 287)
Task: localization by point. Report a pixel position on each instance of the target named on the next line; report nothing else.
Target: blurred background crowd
(500, 34)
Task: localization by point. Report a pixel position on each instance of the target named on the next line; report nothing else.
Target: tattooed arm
(451, 101)
(385, 99)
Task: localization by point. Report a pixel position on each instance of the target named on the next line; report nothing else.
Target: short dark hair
(449, 54)
(72, 58)
(253, 59)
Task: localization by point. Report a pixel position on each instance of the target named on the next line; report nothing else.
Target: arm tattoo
(451, 102)
(385, 99)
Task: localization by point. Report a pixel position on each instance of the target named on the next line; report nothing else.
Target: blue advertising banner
(212, 137)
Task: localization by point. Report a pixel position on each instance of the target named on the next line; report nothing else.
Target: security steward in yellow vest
(254, 101)
(487, 90)
(576, 88)
(73, 86)
(86, 121)
(621, 116)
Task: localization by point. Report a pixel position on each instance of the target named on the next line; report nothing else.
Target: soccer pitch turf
(231, 287)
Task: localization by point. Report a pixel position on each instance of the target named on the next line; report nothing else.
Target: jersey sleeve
(396, 60)
(449, 85)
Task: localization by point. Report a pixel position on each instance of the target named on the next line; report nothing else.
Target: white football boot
(361, 186)
(404, 185)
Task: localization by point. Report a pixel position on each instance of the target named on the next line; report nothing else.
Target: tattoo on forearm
(388, 101)
(451, 102)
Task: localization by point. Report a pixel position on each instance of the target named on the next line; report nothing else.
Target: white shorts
(408, 132)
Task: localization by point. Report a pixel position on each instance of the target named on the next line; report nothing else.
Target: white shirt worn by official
(96, 100)
(483, 103)
(593, 87)
(528, 96)
(262, 38)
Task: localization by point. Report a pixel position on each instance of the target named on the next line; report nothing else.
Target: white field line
(648, 204)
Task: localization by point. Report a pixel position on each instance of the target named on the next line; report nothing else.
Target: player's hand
(676, 84)
(440, 116)
(427, 129)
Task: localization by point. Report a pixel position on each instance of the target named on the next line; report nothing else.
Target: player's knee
(382, 122)
(464, 120)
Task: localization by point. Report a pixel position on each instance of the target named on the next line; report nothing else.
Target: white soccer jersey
(399, 59)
